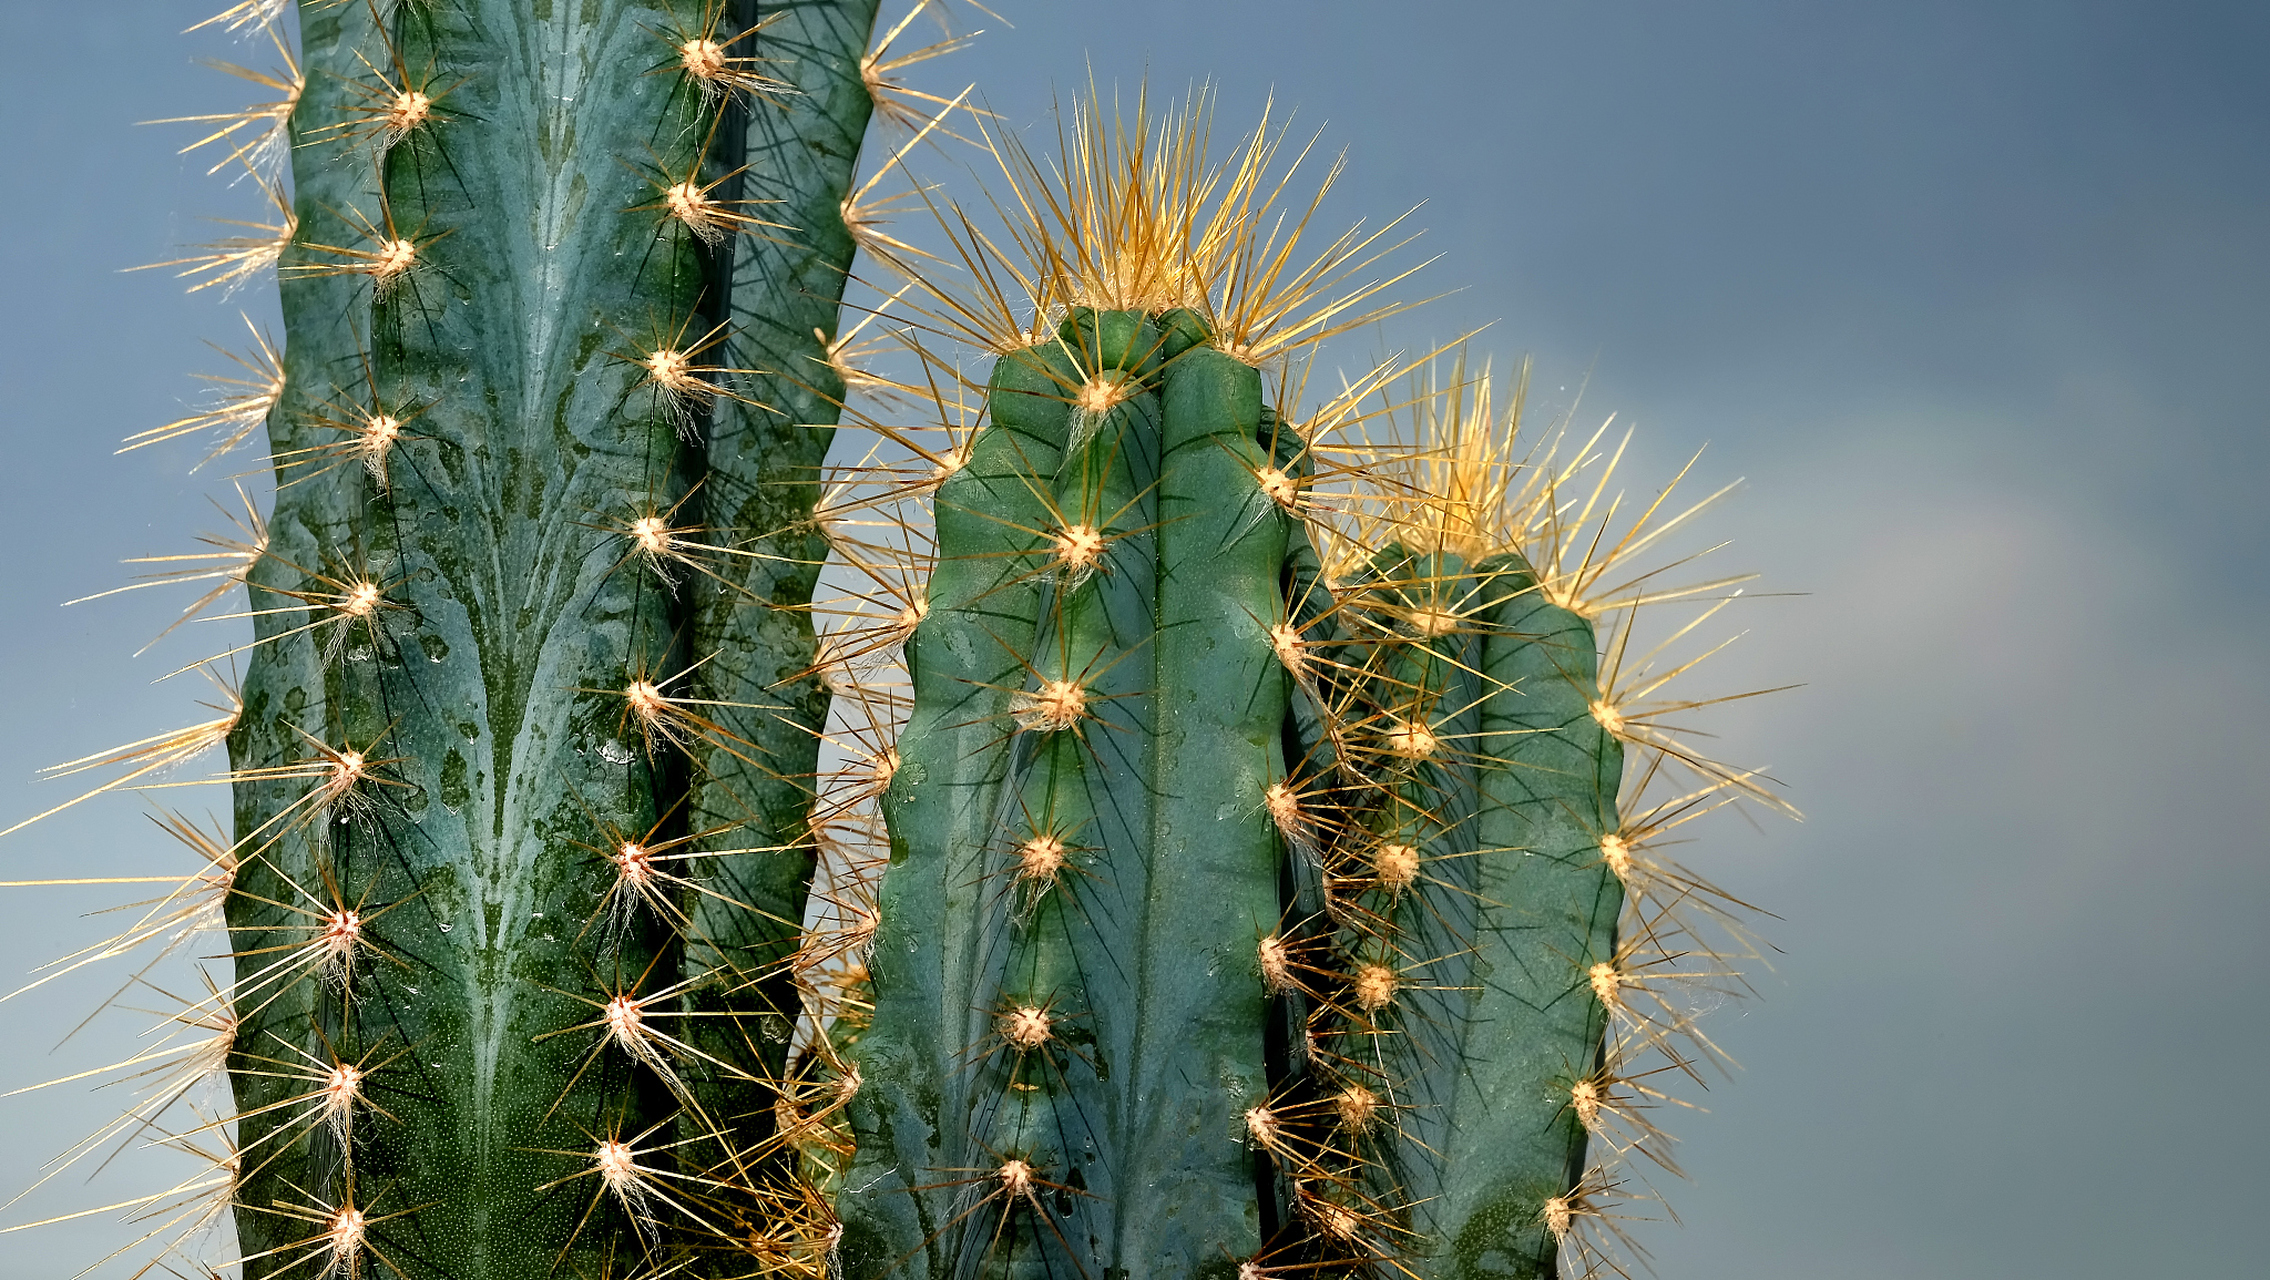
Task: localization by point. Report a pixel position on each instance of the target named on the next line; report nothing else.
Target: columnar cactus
(1256, 866)
(1079, 809)
(540, 896)
(527, 737)
(1261, 883)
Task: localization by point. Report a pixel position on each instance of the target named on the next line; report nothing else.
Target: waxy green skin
(761, 473)
(1132, 1117)
(286, 686)
(1550, 800)
(1514, 906)
(492, 685)
(1142, 950)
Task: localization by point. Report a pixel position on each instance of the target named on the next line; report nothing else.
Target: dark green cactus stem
(1503, 914)
(438, 894)
(1232, 918)
(287, 694)
(761, 477)
(1069, 1012)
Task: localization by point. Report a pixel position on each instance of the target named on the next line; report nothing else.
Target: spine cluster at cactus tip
(1115, 812)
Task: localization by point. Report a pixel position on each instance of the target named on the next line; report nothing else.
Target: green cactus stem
(1486, 891)
(522, 793)
(1092, 816)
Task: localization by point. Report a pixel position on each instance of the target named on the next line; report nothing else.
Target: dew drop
(446, 928)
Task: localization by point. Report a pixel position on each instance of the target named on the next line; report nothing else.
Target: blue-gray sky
(1968, 292)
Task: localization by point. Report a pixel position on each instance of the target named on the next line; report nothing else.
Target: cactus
(1250, 878)
(529, 723)
(1256, 866)
(581, 303)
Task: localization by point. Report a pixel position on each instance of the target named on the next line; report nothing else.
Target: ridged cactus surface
(1256, 899)
(1201, 828)
(1080, 835)
(1231, 918)
(522, 763)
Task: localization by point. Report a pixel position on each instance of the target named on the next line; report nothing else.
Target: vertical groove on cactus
(524, 719)
(751, 630)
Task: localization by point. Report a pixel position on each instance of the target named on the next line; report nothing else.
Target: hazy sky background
(1969, 292)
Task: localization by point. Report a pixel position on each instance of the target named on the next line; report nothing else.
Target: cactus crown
(1135, 214)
